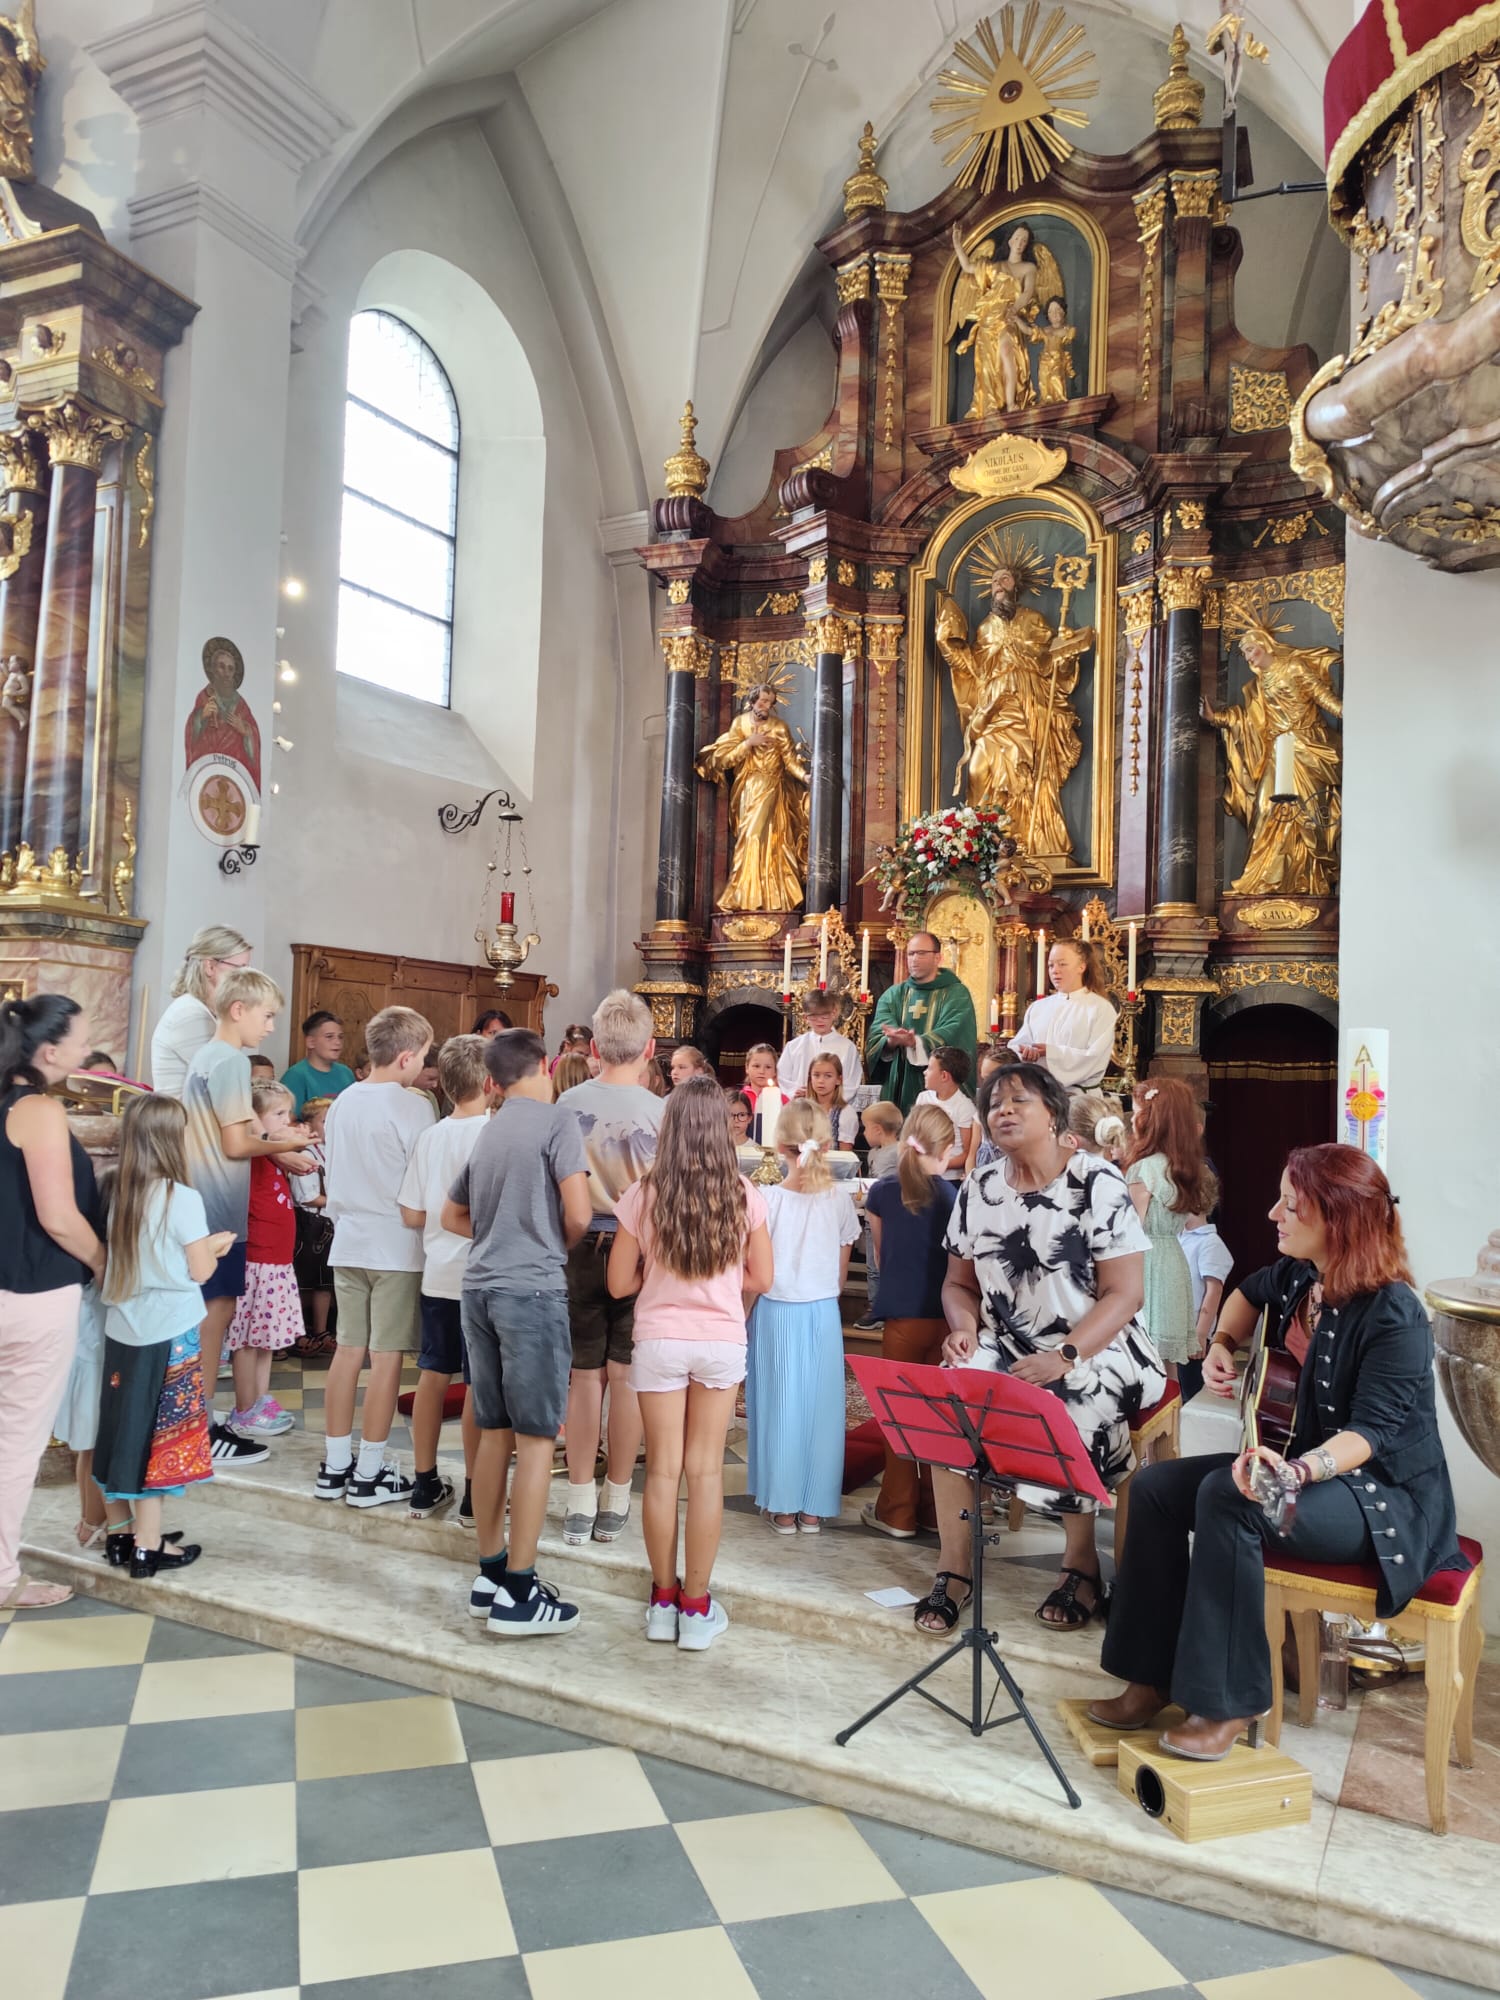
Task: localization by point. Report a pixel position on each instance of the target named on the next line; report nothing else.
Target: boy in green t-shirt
(320, 1073)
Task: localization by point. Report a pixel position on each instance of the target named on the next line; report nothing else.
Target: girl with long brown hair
(1365, 1459)
(153, 1427)
(691, 1247)
(825, 1089)
(1169, 1181)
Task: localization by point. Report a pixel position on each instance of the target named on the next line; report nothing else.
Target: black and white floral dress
(1034, 1254)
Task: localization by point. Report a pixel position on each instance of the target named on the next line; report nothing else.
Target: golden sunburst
(1009, 550)
(1024, 88)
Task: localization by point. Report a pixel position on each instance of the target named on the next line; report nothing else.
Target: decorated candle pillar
(1175, 875)
(52, 809)
(23, 527)
(687, 656)
(829, 637)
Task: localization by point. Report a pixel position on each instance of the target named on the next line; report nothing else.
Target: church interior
(887, 493)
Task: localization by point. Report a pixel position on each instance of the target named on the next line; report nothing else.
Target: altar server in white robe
(821, 1039)
(1072, 1029)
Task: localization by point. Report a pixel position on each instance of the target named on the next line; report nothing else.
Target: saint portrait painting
(220, 724)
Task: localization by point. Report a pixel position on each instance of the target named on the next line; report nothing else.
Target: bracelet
(1320, 1463)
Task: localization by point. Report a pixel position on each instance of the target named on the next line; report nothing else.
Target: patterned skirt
(269, 1313)
(153, 1428)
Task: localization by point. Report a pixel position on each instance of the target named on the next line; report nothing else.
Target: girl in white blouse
(1071, 1031)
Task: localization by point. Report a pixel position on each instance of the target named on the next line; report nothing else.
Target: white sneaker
(697, 1630)
(661, 1623)
(541, 1613)
(388, 1484)
(267, 1419)
(582, 1512)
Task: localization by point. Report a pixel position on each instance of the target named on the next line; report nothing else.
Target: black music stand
(994, 1429)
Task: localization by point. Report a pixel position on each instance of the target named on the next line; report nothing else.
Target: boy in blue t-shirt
(320, 1073)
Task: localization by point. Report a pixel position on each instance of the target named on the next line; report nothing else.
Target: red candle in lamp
(507, 906)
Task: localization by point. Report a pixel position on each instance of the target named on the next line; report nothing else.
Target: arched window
(400, 511)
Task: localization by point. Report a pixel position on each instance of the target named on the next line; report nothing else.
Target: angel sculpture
(1054, 375)
(1002, 300)
(15, 692)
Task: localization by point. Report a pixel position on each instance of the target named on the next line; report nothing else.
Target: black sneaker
(227, 1447)
(538, 1613)
(869, 1324)
(387, 1485)
(429, 1492)
(466, 1508)
(481, 1596)
(331, 1484)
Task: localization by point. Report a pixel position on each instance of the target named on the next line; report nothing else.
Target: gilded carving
(146, 480)
(75, 434)
(847, 574)
(1260, 399)
(1288, 528)
(1191, 515)
(1213, 607)
(884, 579)
(1178, 1017)
(1196, 196)
(679, 590)
(891, 269)
(749, 662)
(750, 930)
(777, 603)
(1178, 103)
(124, 364)
(1365, 239)
(1277, 916)
(829, 633)
(817, 569)
(123, 875)
(767, 780)
(1151, 217)
(865, 188)
(883, 643)
(687, 653)
(1479, 172)
(1317, 975)
(19, 463)
(1136, 613)
(1458, 521)
(15, 541)
(1141, 546)
(853, 280)
(687, 470)
(1008, 103)
(1182, 586)
(1323, 587)
(1009, 465)
(21, 66)
(731, 979)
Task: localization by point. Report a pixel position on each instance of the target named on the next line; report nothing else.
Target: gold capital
(686, 470)
(1196, 195)
(891, 268)
(687, 653)
(75, 434)
(853, 280)
(1136, 612)
(19, 465)
(830, 634)
(1182, 586)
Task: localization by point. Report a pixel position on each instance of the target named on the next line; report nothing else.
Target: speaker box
(1101, 1746)
(1246, 1792)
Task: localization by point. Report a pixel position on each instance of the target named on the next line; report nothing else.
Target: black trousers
(1195, 1623)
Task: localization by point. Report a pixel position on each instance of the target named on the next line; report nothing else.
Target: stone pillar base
(85, 954)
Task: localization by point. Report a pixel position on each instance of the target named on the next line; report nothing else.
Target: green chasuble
(940, 1011)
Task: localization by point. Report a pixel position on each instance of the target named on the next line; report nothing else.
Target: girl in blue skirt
(794, 1392)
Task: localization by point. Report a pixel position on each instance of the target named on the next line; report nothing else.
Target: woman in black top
(48, 1247)
(1365, 1448)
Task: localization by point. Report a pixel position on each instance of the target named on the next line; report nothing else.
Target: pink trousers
(38, 1332)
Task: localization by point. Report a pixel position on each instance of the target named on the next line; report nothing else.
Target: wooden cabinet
(357, 984)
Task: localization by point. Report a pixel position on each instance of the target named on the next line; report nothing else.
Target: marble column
(1175, 879)
(52, 809)
(24, 520)
(687, 655)
(826, 801)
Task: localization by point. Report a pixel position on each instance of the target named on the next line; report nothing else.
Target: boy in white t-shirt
(371, 1132)
(821, 1039)
(439, 1157)
(947, 1073)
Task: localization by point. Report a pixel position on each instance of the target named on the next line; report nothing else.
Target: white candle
(1086, 931)
(1041, 963)
(1286, 765)
(994, 1013)
(1130, 964)
(864, 960)
(823, 953)
(250, 832)
(786, 966)
(768, 1111)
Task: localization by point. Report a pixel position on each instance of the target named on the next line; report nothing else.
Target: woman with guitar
(1363, 1480)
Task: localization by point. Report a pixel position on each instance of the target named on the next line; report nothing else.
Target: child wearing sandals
(690, 1246)
(794, 1392)
(153, 1425)
(268, 1317)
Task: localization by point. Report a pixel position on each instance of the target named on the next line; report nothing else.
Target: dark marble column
(686, 655)
(52, 812)
(826, 800)
(1176, 875)
(23, 528)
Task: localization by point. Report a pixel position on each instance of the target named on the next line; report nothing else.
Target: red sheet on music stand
(1026, 1431)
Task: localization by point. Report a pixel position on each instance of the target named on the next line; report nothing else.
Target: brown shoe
(1203, 1741)
(1137, 1708)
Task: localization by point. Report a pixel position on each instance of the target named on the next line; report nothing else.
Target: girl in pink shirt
(691, 1246)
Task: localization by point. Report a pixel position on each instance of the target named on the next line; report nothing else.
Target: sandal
(44, 1596)
(88, 1536)
(315, 1346)
(1065, 1600)
(939, 1604)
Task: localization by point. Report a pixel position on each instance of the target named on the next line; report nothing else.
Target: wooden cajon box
(1248, 1791)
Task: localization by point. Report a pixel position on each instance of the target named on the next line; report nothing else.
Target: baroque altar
(1046, 556)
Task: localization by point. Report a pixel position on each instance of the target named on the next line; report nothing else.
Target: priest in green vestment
(929, 1009)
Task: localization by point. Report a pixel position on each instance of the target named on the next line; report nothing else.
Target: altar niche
(1059, 538)
(1045, 255)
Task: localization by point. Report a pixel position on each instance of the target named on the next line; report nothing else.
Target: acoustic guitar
(1268, 1392)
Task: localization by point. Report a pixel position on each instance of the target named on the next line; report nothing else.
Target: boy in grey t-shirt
(523, 1198)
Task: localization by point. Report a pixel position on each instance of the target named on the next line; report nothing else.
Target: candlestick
(1286, 766)
(994, 1013)
(864, 960)
(1087, 935)
(250, 832)
(786, 967)
(1041, 963)
(823, 955)
(507, 906)
(1130, 965)
(768, 1113)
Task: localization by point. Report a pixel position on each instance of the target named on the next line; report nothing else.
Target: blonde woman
(794, 1392)
(189, 1022)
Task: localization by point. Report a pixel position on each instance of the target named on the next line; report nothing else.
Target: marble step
(804, 1584)
(765, 1706)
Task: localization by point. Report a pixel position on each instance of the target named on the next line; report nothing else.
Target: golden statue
(1293, 849)
(1054, 374)
(767, 806)
(1013, 684)
(21, 66)
(1001, 300)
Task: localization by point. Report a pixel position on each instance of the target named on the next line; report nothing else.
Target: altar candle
(864, 960)
(1286, 766)
(1041, 963)
(507, 906)
(994, 1012)
(786, 965)
(1086, 932)
(250, 832)
(823, 953)
(1130, 965)
(768, 1113)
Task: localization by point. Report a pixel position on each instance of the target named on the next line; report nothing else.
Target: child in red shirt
(269, 1316)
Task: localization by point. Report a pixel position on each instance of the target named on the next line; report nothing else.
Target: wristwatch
(1068, 1352)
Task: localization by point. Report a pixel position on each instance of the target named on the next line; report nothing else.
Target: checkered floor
(185, 1816)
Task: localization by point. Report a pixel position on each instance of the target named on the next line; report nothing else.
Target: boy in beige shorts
(371, 1131)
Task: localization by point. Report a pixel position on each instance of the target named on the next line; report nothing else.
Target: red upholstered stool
(1156, 1433)
(1444, 1615)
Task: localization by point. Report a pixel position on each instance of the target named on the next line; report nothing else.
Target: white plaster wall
(1420, 952)
(788, 403)
(369, 866)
